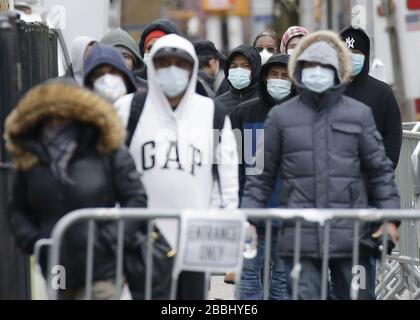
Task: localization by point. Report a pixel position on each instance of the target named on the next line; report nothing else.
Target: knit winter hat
(120, 38)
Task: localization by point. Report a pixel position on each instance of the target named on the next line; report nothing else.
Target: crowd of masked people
(132, 125)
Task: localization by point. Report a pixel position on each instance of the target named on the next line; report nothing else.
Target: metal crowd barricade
(409, 281)
(409, 240)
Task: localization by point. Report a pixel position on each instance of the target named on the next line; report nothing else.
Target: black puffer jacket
(322, 151)
(102, 171)
(252, 114)
(231, 99)
(378, 96)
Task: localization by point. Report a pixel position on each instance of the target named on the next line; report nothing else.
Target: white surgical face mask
(173, 80)
(318, 79)
(265, 56)
(279, 88)
(111, 87)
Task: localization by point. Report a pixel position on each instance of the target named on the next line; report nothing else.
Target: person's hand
(392, 231)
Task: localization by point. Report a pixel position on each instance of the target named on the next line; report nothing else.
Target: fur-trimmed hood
(332, 39)
(67, 101)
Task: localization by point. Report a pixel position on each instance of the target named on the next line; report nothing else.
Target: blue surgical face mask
(173, 80)
(318, 79)
(279, 88)
(358, 63)
(239, 78)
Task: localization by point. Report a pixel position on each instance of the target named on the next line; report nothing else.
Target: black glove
(373, 247)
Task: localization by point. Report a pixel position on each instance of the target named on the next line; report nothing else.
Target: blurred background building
(393, 26)
(231, 22)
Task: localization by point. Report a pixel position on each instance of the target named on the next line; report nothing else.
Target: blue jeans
(250, 287)
(341, 277)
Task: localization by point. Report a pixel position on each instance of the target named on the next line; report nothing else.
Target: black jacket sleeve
(377, 166)
(235, 119)
(259, 187)
(24, 229)
(392, 128)
(129, 189)
(130, 193)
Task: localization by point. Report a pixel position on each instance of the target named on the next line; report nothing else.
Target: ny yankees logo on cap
(350, 42)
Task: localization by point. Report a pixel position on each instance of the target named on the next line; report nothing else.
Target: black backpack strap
(207, 90)
(137, 106)
(220, 114)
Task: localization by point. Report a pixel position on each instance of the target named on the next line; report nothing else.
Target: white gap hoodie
(187, 183)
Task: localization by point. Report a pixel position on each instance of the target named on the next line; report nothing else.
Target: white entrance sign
(211, 242)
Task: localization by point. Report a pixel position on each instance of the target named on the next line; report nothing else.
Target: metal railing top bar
(412, 134)
(410, 126)
(311, 215)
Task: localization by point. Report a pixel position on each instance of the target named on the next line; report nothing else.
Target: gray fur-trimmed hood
(332, 39)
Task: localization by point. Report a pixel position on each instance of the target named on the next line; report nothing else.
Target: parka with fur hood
(324, 147)
(101, 170)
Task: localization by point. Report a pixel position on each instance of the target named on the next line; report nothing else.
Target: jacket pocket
(347, 128)
(345, 138)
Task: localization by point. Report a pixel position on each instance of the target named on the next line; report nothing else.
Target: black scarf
(60, 143)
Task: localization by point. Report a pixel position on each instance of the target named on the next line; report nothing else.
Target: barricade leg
(89, 261)
(267, 259)
(296, 261)
(354, 291)
(325, 258)
(120, 259)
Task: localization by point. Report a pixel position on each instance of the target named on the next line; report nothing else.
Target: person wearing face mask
(125, 44)
(275, 88)
(267, 44)
(209, 58)
(80, 49)
(153, 32)
(376, 94)
(291, 39)
(173, 144)
(330, 155)
(242, 71)
(107, 74)
(67, 146)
